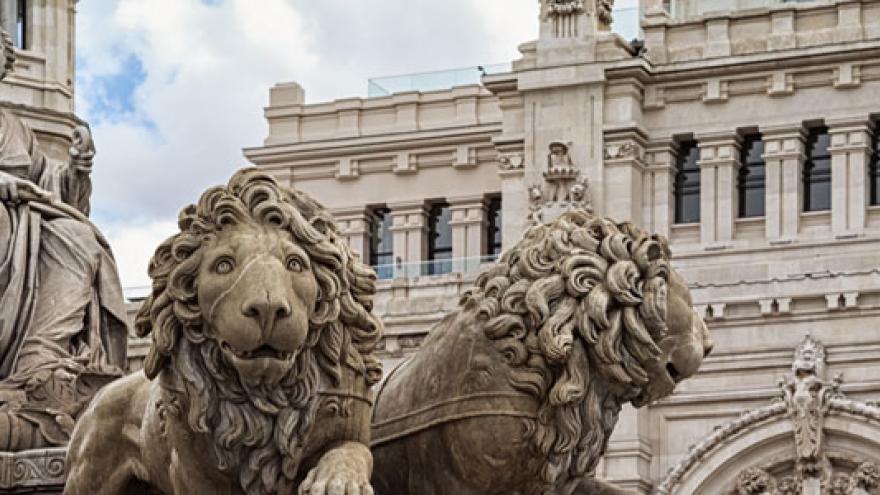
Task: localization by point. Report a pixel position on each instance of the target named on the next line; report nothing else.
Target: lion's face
(684, 346)
(257, 294)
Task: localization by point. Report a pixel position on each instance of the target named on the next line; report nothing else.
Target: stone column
(9, 17)
(719, 167)
(624, 177)
(409, 227)
(658, 182)
(850, 157)
(468, 232)
(514, 196)
(627, 462)
(784, 160)
(354, 228)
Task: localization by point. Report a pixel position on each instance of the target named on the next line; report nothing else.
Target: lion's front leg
(344, 470)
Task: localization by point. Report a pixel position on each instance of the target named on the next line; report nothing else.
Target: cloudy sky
(174, 89)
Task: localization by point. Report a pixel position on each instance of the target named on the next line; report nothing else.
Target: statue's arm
(77, 177)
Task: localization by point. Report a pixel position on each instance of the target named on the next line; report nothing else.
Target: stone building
(744, 131)
(40, 87)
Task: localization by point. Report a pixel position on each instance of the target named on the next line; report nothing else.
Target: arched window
(382, 243)
(493, 227)
(751, 182)
(439, 239)
(874, 168)
(687, 184)
(817, 171)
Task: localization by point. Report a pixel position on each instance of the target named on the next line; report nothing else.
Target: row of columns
(409, 227)
(784, 153)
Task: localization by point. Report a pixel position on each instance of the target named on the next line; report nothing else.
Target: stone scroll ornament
(258, 378)
(563, 189)
(63, 329)
(519, 389)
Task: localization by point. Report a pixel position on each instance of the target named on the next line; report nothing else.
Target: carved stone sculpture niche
(563, 189)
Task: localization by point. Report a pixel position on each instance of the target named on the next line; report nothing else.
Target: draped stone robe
(63, 329)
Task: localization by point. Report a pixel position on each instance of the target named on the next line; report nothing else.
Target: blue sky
(174, 89)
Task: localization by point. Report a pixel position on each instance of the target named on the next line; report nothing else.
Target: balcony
(433, 268)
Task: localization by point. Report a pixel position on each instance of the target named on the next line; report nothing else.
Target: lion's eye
(224, 266)
(294, 264)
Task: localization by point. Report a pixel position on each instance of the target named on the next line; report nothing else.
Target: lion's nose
(266, 310)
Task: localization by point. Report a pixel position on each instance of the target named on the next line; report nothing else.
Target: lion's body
(518, 391)
(458, 381)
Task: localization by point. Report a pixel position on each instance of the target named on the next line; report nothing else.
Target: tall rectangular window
(751, 183)
(21, 25)
(687, 184)
(874, 167)
(439, 239)
(493, 227)
(817, 171)
(382, 243)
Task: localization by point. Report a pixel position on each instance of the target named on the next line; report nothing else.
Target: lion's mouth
(264, 351)
(673, 372)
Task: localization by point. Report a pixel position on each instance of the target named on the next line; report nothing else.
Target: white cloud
(175, 88)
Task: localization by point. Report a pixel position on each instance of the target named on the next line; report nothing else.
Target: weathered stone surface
(63, 327)
(258, 379)
(519, 389)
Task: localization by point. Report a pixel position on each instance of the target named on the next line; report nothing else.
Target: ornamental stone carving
(511, 161)
(754, 481)
(563, 189)
(806, 399)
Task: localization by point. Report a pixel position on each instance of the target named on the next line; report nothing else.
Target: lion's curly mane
(576, 309)
(258, 433)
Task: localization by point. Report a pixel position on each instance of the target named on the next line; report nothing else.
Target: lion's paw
(342, 471)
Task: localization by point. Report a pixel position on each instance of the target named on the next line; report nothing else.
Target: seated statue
(518, 391)
(63, 329)
(258, 378)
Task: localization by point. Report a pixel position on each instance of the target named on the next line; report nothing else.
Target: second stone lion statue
(258, 379)
(519, 390)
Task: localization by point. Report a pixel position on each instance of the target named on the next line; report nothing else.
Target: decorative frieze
(40, 471)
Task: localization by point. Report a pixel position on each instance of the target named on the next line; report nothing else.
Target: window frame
(813, 175)
(494, 224)
(381, 261)
(749, 180)
(438, 265)
(682, 189)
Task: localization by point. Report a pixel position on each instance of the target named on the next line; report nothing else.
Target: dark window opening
(751, 184)
(817, 171)
(493, 228)
(21, 31)
(382, 243)
(874, 168)
(439, 239)
(687, 184)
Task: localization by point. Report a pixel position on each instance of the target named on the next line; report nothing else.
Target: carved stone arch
(768, 445)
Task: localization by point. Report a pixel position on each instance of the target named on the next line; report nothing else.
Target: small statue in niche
(63, 328)
(563, 188)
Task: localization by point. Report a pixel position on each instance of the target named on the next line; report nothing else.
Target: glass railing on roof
(626, 23)
(430, 81)
(680, 9)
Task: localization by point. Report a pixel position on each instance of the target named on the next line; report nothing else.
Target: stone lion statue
(258, 378)
(517, 392)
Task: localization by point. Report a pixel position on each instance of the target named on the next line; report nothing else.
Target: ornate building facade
(745, 132)
(39, 88)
